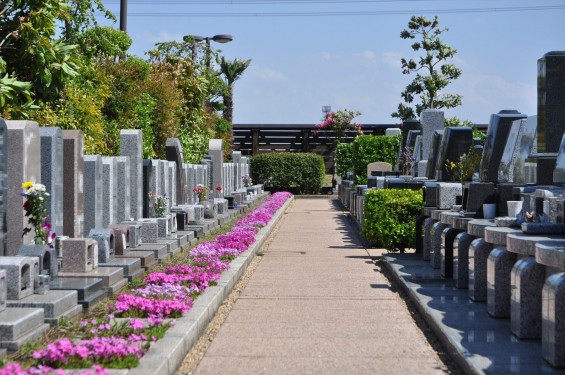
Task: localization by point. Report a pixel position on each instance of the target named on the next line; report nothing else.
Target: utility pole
(123, 15)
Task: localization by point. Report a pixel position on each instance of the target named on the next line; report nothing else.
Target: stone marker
(24, 164)
(431, 120)
(174, 153)
(123, 199)
(73, 187)
(3, 184)
(52, 174)
(109, 191)
(131, 143)
(93, 211)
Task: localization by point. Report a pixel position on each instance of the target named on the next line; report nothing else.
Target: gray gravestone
(73, 188)
(3, 185)
(236, 157)
(109, 191)
(93, 210)
(457, 140)
(172, 183)
(495, 142)
(123, 199)
(131, 144)
(431, 120)
(519, 147)
(52, 174)
(24, 164)
(174, 153)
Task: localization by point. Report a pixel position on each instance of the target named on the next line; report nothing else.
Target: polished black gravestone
(431, 167)
(456, 141)
(406, 127)
(495, 142)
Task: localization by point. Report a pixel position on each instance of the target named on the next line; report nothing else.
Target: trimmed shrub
(389, 218)
(344, 159)
(371, 148)
(300, 173)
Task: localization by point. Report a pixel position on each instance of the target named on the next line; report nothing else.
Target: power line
(350, 13)
(269, 2)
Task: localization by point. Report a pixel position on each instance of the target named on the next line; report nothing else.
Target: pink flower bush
(137, 306)
(15, 369)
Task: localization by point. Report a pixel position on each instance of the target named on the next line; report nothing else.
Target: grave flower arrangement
(246, 179)
(35, 208)
(201, 191)
(339, 122)
(160, 203)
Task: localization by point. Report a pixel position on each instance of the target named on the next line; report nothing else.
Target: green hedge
(389, 218)
(371, 148)
(300, 173)
(365, 149)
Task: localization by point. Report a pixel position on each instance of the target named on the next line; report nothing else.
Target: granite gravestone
(236, 158)
(3, 183)
(73, 187)
(93, 211)
(52, 174)
(520, 145)
(433, 155)
(23, 164)
(123, 199)
(495, 142)
(431, 120)
(407, 127)
(172, 184)
(559, 171)
(131, 143)
(109, 191)
(174, 153)
(457, 140)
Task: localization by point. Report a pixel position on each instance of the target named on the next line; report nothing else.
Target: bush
(344, 159)
(389, 218)
(300, 173)
(371, 148)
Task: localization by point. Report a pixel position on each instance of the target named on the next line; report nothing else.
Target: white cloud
(163, 36)
(391, 59)
(367, 54)
(268, 74)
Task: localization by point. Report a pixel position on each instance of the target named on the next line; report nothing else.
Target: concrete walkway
(317, 304)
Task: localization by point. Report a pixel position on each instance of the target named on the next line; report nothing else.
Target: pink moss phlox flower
(15, 369)
(174, 291)
(147, 307)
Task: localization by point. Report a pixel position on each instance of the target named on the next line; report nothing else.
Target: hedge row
(299, 173)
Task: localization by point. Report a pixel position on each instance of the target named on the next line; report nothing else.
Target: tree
(232, 71)
(438, 74)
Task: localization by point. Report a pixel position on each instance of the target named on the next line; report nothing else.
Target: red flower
(219, 188)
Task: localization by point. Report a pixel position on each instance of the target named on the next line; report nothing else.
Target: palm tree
(232, 71)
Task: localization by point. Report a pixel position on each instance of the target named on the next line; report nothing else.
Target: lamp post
(195, 39)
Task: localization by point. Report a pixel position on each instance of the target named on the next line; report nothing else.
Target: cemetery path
(317, 303)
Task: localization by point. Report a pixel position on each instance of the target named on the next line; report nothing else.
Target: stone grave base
(55, 304)
(173, 247)
(130, 266)
(112, 278)
(147, 258)
(160, 251)
(19, 325)
(89, 290)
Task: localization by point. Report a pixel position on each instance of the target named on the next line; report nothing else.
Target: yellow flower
(27, 184)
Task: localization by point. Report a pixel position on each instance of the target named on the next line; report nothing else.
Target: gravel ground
(193, 358)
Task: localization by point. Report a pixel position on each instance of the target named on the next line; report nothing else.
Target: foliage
(438, 74)
(456, 121)
(389, 216)
(406, 159)
(339, 122)
(370, 148)
(15, 96)
(463, 169)
(201, 192)
(344, 159)
(102, 42)
(232, 71)
(303, 173)
(247, 181)
(160, 203)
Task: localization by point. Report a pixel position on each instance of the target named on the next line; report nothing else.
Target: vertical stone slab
(172, 194)
(164, 178)
(551, 96)
(207, 173)
(109, 191)
(23, 164)
(131, 143)
(431, 120)
(73, 187)
(151, 183)
(93, 210)
(174, 154)
(123, 199)
(52, 174)
(3, 188)
(236, 158)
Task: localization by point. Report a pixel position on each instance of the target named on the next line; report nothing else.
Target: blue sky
(300, 63)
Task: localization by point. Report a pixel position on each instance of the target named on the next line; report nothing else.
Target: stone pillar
(236, 158)
(123, 199)
(431, 120)
(23, 164)
(93, 211)
(52, 174)
(109, 191)
(73, 188)
(216, 151)
(3, 195)
(174, 153)
(131, 144)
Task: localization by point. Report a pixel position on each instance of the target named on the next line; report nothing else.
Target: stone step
(147, 257)
(109, 275)
(117, 286)
(20, 325)
(128, 265)
(198, 230)
(55, 304)
(160, 250)
(173, 246)
(84, 286)
(188, 234)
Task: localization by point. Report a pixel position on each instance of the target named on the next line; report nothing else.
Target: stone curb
(452, 347)
(167, 354)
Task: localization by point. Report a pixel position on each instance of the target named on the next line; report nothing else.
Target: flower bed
(121, 339)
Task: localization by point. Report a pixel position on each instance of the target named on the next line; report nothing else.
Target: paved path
(317, 304)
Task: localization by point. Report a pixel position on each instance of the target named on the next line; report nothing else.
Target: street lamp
(220, 38)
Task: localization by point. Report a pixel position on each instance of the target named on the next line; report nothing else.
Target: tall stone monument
(131, 144)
